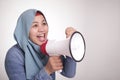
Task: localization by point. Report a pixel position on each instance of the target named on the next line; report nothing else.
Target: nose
(40, 28)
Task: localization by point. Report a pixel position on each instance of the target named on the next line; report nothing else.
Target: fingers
(69, 31)
(54, 64)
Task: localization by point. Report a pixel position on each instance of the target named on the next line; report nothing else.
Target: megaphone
(73, 47)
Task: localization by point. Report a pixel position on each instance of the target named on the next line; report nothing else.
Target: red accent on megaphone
(43, 48)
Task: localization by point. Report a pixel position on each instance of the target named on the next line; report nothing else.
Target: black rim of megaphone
(70, 46)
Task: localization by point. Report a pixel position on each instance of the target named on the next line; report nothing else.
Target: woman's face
(39, 30)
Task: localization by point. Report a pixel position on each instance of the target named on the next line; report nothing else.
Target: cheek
(46, 29)
(32, 34)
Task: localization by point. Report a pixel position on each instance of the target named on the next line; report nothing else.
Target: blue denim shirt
(15, 66)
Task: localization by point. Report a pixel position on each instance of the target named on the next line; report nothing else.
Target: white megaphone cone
(73, 47)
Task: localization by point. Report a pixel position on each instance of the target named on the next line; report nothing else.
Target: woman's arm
(69, 67)
(15, 68)
(69, 64)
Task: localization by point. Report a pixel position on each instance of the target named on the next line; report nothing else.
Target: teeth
(41, 35)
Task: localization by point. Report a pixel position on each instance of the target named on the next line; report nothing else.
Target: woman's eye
(35, 25)
(44, 23)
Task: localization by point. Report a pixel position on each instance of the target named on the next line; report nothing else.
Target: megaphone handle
(59, 71)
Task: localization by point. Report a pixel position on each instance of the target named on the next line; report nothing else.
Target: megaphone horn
(73, 47)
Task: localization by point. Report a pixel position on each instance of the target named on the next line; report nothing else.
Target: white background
(97, 20)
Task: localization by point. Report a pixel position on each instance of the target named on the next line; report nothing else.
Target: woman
(25, 61)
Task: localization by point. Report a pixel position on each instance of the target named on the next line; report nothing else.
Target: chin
(40, 43)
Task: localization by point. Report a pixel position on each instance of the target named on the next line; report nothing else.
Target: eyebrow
(37, 22)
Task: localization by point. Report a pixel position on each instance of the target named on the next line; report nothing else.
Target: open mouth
(41, 37)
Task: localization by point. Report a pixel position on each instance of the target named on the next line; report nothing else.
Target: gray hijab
(34, 59)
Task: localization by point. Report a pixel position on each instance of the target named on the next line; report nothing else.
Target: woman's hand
(54, 64)
(69, 31)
